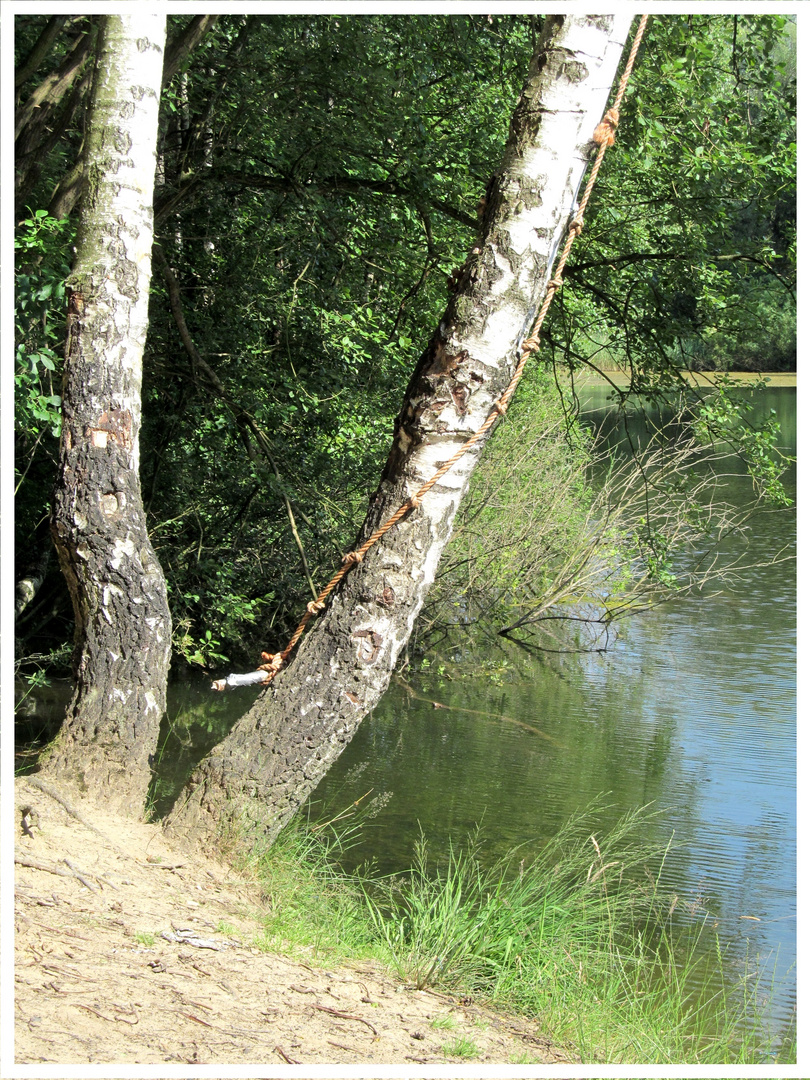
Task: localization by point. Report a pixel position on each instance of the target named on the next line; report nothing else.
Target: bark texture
(276, 754)
(123, 627)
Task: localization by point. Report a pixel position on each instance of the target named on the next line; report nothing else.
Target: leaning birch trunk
(123, 627)
(255, 779)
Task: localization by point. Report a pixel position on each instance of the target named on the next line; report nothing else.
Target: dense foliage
(318, 180)
(691, 258)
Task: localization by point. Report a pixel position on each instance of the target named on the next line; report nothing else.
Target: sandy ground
(130, 952)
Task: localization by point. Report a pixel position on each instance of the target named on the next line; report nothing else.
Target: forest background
(318, 182)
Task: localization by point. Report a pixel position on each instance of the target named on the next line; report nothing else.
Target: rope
(603, 136)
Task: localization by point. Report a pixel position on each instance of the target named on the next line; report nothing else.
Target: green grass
(311, 904)
(580, 940)
(462, 1048)
(443, 1022)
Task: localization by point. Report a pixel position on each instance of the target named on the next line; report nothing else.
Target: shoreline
(133, 951)
(118, 925)
(699, 378)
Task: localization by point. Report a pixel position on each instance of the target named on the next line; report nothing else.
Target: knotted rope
(603, 137)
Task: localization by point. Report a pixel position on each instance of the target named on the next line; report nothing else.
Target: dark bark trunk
(37, 560)
(182, 45)
(42, 46)
(276, 754)
(32, 118)
(123, 628)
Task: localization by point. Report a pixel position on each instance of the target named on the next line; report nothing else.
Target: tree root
(52, 793)
(71, 872)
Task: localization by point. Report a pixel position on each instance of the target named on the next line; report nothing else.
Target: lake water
(691, 710)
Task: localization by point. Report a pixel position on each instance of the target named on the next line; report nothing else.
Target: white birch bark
(123, 628)
(279, 751)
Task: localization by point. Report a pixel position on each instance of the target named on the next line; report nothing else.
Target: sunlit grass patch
(581, 939)
(461, 1048)
(310, 902)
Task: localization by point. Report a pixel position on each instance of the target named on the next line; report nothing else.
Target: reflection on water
(692, 710)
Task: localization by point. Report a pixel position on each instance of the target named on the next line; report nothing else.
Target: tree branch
(180, 47)
(576, 268)
(53, 86)
(42, 47)
(243, 418)
(326, 185)
(69, 188)
(29, 585)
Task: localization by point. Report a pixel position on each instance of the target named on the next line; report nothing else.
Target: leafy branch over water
(563, 534)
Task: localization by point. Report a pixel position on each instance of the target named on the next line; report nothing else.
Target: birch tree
(276, 754)
(123, 627)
